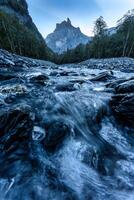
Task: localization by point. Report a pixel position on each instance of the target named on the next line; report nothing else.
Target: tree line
(20, 39)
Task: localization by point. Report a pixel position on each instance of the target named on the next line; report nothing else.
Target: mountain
(18, 33)
(66, 36)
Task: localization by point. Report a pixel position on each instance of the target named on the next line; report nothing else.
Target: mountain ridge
(65, 36)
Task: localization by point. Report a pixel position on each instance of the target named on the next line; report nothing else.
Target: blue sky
(83, 13)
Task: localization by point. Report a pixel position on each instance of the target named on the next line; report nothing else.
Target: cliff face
(66, 36)
(16, 5)
(18, 29)
(19, 9)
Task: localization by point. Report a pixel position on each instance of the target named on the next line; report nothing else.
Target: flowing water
(59, 138)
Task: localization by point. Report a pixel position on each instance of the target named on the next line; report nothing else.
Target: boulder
(123, 108)
(40, 79)
(55, 133)
(6, 76)
(66, 87)
(123, 101)
(104, 76)
(13, 89)
(125, 87)
(15, 133)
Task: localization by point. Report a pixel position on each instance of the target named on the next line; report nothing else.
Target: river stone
(14, 89)
(66, 87)
(6, 76)
(125, 87)
(40, 79)
(38, 133)
(123, 107)
(104, 76)
(55, 133)
(15, 127)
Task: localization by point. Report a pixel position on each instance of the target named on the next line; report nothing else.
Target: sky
(82, 13)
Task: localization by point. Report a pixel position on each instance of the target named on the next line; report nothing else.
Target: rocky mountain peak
(66, 36)
(64, 24)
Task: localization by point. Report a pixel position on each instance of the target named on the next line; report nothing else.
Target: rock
(115, 83)
(126, 87)
(123, 108)
(123, 102)
(40, 79)
(38, 133)
(67, 87)
(99, 159)
(6, 76)
(104, 76)
(54, 73)
(64, 73)
(9, 62)
(77, 86)
(55, 133)
(14, 89)
(15, 128)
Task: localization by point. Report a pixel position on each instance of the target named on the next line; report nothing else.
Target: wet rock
(6, 76)
(79, 81)
(123, 102)
(68, 87)
(54, 73)
(15, 119)
(64, 73)
(123, 108)
(125, 87)
(15, 128)
(102, 163)
(9, 62)
(77, 86)
(40, 79)
(10, 99)
(38, 133)
(104, 76)
(14, 89)
(55, 133)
